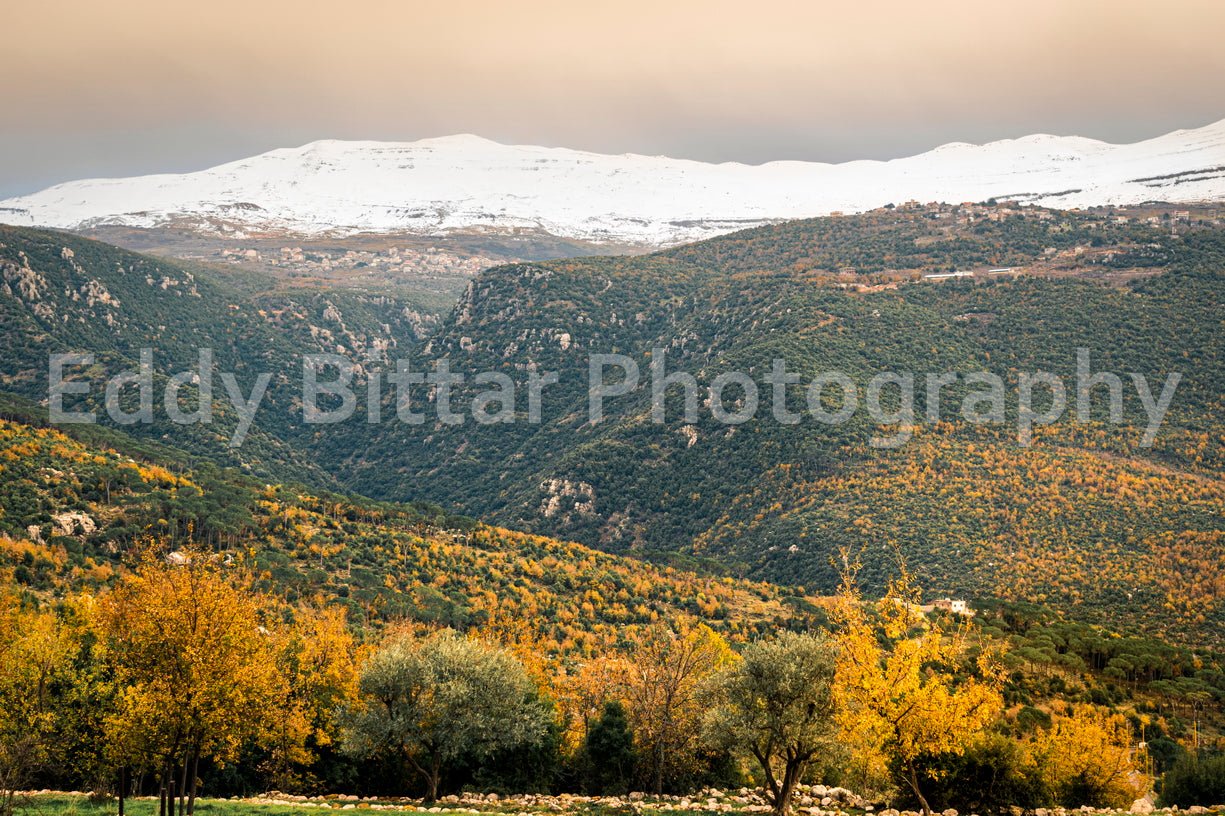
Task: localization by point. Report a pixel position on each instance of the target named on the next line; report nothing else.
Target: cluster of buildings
(316, 262)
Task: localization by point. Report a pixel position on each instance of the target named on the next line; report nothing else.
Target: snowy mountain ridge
(466, 183)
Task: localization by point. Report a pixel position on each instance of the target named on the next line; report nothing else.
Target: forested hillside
(1105, 517)
(71, 511)
(1089, 515)
(62, 294)
(297, 598)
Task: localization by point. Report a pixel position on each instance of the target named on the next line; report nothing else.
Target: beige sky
(129, 86)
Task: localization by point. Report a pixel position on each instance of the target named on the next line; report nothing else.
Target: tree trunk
(659, 766)
(432, 775)
(195, 767)
(782, 797)
(165, 806)
(122, 789)
(771, 784)
(183, 785)
(912, 779)
(791, 777)
(433, 778)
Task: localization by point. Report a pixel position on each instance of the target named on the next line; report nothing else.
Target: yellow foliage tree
(195, 666)
(34, 652)
(318, 657)
(666, 672)
(1085, 758)
(901, 701)
(582, 693)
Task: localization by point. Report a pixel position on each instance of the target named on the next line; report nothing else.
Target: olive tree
(431, 700)
(777, 703)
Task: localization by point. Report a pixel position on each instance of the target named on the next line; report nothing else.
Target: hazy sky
(138, 86)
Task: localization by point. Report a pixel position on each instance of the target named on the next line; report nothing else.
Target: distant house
(950, 605)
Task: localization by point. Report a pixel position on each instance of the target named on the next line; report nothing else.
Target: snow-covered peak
(466, 182)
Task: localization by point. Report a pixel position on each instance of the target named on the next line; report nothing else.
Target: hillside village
(431, 263)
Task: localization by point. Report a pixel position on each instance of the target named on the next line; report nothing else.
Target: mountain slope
(63, 294)
(73, 512)
(72, 509)
(967, 504)
(469, 183)
(1116, 529)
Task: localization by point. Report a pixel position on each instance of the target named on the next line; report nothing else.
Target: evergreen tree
(609, 750)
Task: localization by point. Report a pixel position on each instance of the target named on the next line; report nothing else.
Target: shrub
(988, 778)
(1030, 718)
(1194, 780)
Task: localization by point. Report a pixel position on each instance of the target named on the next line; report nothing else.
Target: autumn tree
(776, 703)
(1085, 758)
(431, 700)
(54, 695)
(897, 692)
(196, 674)
(583, 692)
(33, 653)
(666, 672)
(317, 658)
(518, 637)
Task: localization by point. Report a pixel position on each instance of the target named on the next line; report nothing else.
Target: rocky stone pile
(814, 800)
(810, 800)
